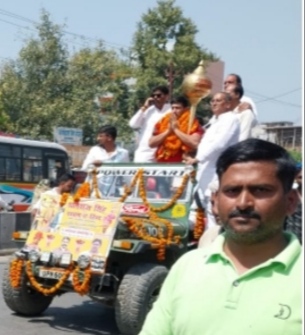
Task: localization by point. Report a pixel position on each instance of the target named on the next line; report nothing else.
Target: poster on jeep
(79, 228)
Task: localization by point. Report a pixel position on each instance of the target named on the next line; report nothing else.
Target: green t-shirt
(204, 295)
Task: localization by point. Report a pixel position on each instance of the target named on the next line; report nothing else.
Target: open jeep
(114, 241)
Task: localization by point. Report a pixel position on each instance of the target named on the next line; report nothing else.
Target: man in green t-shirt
(249, 280)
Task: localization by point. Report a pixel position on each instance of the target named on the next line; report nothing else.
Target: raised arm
(137, 121)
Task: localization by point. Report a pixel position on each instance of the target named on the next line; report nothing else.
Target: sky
(260, 40)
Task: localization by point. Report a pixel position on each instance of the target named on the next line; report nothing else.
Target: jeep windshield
(161, 181)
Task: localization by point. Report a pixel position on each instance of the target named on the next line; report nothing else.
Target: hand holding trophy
(196, 86)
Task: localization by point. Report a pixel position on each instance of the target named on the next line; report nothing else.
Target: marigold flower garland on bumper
(81, 287)
(15, 272)
(41, 289)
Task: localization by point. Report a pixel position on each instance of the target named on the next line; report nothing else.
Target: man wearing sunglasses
(154, 108)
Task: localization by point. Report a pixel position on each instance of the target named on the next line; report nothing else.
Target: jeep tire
(136, 294)
(23, 300)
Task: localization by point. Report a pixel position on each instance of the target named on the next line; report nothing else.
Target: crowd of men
(164, 137)
(245, 277)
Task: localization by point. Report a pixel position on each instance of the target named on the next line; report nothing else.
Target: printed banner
(79, 228)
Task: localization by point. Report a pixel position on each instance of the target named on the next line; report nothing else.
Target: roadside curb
(5, 252)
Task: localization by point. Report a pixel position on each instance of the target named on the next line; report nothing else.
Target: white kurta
(223, 132)
(145, 122)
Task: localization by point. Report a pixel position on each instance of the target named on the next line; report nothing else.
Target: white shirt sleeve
(89, 159)
(227, 127)
(246, 119)
(250, 102)
(126, 157)
(138, 119)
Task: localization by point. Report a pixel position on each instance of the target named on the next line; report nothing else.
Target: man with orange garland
(170, 135)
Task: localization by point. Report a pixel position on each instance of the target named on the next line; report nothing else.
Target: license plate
(51, 274)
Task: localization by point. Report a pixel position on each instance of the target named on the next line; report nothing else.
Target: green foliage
(164, 48)
(296, 155)
(45, 87)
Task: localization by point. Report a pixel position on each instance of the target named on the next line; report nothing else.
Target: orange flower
(199, 224)
(84, 286)
(47, 291)
(16, 272)
(172, 143)
(82, 192)
(63, 199)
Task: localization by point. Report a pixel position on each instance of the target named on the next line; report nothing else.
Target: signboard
(79, 228)
(63, 135)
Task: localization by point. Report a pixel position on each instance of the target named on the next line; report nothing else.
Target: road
(69, 314)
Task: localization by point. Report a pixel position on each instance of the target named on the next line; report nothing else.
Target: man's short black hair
(180, 100)
(238, 89)
(66, 177)
(256, 150)
(108, 130)
(162, 88)
(238, 78)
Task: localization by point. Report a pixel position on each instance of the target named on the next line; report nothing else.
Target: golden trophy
(195, 87)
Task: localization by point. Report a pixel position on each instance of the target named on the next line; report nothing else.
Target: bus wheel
(23, 300)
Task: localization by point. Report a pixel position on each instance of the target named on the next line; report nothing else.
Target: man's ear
(292, 200)
(214, 200)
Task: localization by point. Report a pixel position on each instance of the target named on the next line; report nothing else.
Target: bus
(24, 163)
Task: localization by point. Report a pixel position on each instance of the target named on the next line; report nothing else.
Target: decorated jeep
(114, 241)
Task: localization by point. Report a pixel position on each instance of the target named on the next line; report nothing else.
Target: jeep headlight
(34, 256)
(45, 257)
(65, 260)
(83, 261)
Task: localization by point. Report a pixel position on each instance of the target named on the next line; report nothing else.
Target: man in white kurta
(154, 108)
(246, 102)
(246, 118)
(222, 132)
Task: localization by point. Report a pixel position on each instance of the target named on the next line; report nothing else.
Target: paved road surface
(69, 314)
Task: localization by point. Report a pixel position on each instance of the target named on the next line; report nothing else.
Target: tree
(45, 88)
(164, 48)
(34, 87)
(98, 93)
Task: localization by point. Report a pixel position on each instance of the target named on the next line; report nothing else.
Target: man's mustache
(249, 214)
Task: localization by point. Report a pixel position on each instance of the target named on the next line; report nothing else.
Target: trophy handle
(192, 117)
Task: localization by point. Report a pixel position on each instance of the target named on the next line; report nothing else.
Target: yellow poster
(48, 207)
(79, 228)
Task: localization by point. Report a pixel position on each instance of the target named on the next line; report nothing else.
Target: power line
(272, 99)
(17, 25)
(83, 37)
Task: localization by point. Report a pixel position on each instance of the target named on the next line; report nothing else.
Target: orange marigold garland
(16, 267)
(173, 200)
(95, 184)
(136, 226)
(81, 287)
(199, 224)
(41, 289)
(128, 189)
(63, 199)
(172, 143)
(82, 192)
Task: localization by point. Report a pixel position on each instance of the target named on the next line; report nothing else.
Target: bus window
(56, 168)
(7, 150)
(2, 169)
(32, 153)
(13, 169)
(32, 170)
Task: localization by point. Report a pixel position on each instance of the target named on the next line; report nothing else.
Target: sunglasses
(158, 95)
